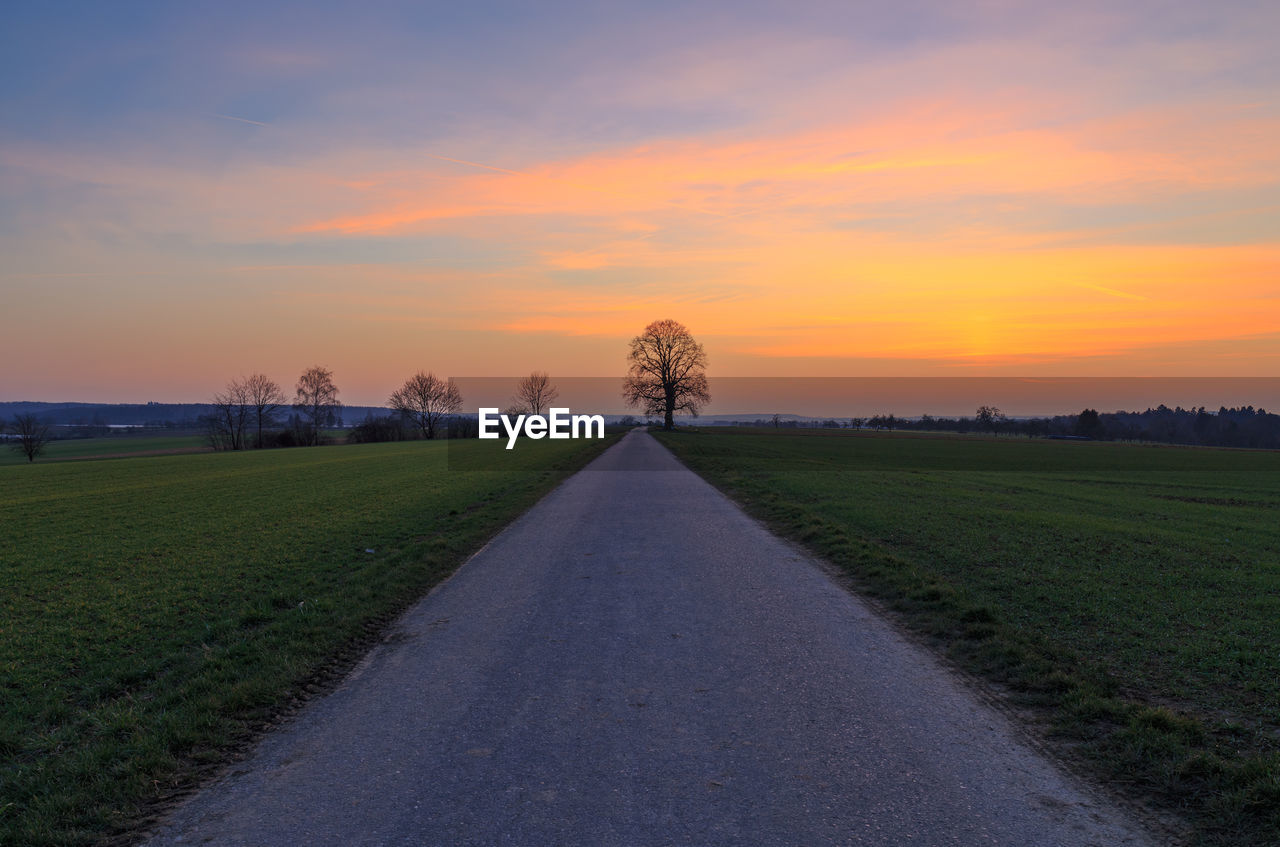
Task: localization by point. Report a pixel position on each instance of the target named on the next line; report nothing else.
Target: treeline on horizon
(1227, 427)
(1235, 427)
(94, 419)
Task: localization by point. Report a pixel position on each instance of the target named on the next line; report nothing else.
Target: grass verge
(108, 446)
(1130, 607)
(157, 612)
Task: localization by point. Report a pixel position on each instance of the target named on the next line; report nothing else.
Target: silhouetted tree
(231, 412)
(536, 393)
(1088, 424)
(316, 402)
(424, 399)
(32, 435)
(989, 418)
(666, 372)
(264, 398)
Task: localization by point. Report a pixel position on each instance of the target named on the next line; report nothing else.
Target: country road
(636, 662)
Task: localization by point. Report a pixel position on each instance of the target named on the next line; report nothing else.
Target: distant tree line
(666, 375)
(1227, 427)
(1235, 427)
(96, 420)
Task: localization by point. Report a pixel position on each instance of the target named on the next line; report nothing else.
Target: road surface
(636, 662)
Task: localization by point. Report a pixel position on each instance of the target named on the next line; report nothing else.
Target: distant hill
(187, 415)
(170, 415)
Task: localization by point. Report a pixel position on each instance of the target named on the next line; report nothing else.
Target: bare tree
(989, 417)
(536, 393)
(666, 372)
(264, 398)
(424, 399)
(215, 432)
(776, 420)
(316, 401)
(33, 435)
(226, 426)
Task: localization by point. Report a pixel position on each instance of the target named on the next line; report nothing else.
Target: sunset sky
(192, 192)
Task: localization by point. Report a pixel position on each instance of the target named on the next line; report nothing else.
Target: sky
(191, 192)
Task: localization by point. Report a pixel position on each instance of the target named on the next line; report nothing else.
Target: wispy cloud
(1113, 292)
(921, 154)
(241, 120)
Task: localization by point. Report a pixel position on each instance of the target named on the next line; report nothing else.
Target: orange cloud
(797, 245)
(927, 151)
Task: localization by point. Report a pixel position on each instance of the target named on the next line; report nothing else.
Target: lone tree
(264, 398)
(316, 400)
(33, 435)
(1089, 424)
(666, 372)
(536, 393)
(425, 399)
(989, 417)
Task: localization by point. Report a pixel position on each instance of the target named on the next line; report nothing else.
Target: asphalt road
(636, 662)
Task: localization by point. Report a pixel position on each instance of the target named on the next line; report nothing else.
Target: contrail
(241, 120)
(1113, 292)
(477, 165)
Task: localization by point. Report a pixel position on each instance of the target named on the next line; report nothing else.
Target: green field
(114, 445)
(1126, 596)
(155, 611)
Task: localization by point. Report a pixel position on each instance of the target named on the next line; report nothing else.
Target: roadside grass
(80, 448)
(157, 612)
(1125, 598)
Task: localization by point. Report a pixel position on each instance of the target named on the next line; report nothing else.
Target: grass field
(1125, 597)
(118, 445)
(155, 611)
